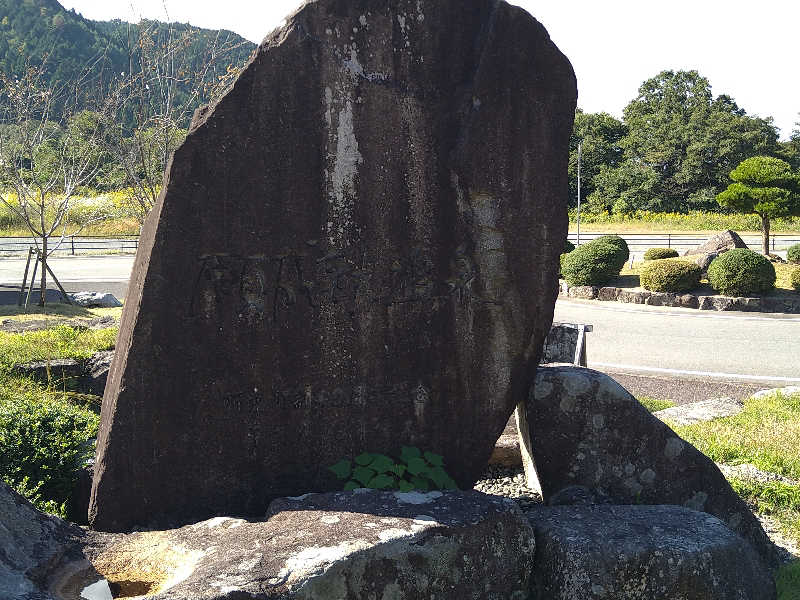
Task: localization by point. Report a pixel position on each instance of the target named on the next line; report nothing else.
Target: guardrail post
(72, 241)
(669, 240)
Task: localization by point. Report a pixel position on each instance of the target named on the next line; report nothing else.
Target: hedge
(669, 276)
(741, 272)
(659, 253)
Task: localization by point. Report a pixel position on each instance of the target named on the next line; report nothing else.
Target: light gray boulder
(32, 545)
(364, 544)
(642, 553)
(703, 410)
(95, 300)
(719, 243)
(587, 430)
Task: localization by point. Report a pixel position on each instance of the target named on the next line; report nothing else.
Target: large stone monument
(355, 249)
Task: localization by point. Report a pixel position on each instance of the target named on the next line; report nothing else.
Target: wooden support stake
(61, 289)
(33, 279)
(25, 278)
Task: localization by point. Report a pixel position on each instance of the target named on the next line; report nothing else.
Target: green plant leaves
(381, 463)
(414, 471)
(417, 466)
(434, 459)
(409, 452)
(363, 475)
(341, 469)
(382, 482)
(364, 459)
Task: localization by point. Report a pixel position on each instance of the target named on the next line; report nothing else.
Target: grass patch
(655, 404)
(56, 342)
(766, 434)
(775, 498)
(55, 311)
(788, 581)
(646, 222)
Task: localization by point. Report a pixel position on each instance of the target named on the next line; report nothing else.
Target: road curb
(766, 304)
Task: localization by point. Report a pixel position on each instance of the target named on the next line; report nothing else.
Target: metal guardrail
(72, 245)
(642, 241)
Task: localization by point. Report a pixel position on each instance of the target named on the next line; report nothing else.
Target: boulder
(364, 544)
(704, 260)
(506, 451)
(56, 372)
(95, 300)
(32, 545)
(357, 246)
(703, 410)
(642, 553)
(96, 372)
(721, 242)
(587, 430)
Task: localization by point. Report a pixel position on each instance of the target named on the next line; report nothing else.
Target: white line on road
(698, 373)
(695, 313)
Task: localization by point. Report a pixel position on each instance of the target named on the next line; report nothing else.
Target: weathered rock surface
(642, 553)
(587, 430)
(786, 391)
(95, 300)
(506, 451)
(722, 242)
(358, 545)
(54, 372)
(32, 544)
(704, 410)
(704, 260)
(366, 229)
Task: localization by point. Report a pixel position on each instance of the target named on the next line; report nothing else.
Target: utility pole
(580, 149)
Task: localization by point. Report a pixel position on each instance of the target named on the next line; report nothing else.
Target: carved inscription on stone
(263, 288)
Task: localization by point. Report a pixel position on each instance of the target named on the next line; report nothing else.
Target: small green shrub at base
(591, 264)
(793, 254)
(44, 441)
(741, 272)
(415, 470)
(794, 279)
(659, 253)
(669, 276)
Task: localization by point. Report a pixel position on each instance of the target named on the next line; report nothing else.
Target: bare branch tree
(49, 145)
(171, 70)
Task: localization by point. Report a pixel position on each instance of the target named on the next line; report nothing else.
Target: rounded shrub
(794, 279)
(793, 254)
(44, 441)
(591, 264)
(623, 253)
(741, 272)
(669, 276)
(659, 253)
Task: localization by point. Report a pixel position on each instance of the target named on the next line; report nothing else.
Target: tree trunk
(43, 295)
(765, 234)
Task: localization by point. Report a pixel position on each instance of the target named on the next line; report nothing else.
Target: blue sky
(748, 50)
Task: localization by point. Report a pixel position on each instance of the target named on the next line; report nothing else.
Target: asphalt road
(648, 348)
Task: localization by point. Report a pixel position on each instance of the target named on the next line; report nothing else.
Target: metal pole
(580, 150)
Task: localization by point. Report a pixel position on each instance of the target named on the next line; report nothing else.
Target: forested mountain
(32, 29)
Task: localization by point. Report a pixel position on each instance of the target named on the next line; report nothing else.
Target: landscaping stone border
(719, 303)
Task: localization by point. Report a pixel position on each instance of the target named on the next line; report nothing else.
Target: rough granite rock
(703, 410)
(721, 242)
(587, 430)
(642, 553)
(95, 300)
(364, 235)
(32, 544)
(343, 546)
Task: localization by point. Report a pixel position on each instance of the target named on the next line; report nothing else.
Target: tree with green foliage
(689, 139)
(622, 190)
(763, 185)
(600, 135)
